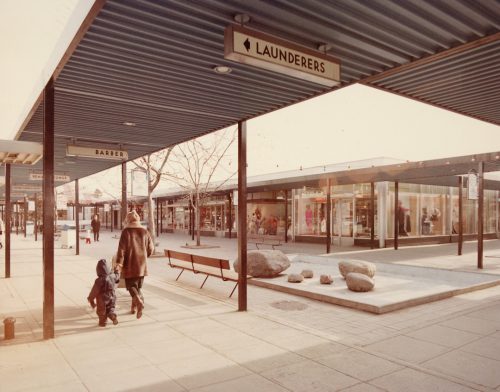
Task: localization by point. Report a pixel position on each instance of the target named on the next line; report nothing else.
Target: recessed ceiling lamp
(222, 69)
(129, 123)
(323, 47)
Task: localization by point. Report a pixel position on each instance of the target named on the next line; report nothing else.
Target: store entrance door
(342, 213)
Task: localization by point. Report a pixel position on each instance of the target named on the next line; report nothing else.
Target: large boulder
(361, 267)
(359, 282)
(264, 263)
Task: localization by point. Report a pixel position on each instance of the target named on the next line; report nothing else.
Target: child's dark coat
(103, 290)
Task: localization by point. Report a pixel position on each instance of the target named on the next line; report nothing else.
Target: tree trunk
(198, 223)
(151, 220)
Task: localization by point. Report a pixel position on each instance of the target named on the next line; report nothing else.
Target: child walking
(104, 292)
(87, 237)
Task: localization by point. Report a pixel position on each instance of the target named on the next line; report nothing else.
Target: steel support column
(230, 214)
(124, 193)
(8, 219)
(286, 215)
(35, 229)
(328, 214)
(48, 211)
(372, 215)
(242, 215)
(77, 216)
(25, 215)
(396, 215)
(161, 217)
(157, 218)
(480, 216)
(460, 216)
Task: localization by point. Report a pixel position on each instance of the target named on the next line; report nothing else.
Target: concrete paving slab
(362, 387)
(360, 365)
(443, 336)
(420, 381)
(467, 366)
(486, 347)
(203, 370)
(308, 376)
(244, 384)
(472, 324)
(396, 286)
(143, 378)
(407, 349)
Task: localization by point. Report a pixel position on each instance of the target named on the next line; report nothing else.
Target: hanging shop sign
(57, 177)
(26, 188)
(96, 152)
(264, 51)
(472, 185)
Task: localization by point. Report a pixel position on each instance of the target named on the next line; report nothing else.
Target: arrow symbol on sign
(247, 44)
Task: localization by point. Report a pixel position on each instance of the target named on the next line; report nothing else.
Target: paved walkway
(194, 340)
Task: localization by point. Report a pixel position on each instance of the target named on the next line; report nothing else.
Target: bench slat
(210, 261)
(172, 254)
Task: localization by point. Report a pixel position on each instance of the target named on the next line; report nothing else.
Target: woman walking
(135, 246)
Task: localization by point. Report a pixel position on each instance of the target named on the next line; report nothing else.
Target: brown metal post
(77, 216)
(242, 215)
(480, 216)
(157, 218)
(17, 218)
(372, 215)
(328, 213)
(230, 214)
(48, 211)
(161, 217)
(111, 215)
(286, 216)
(460, 216)
(8, 219)
(396, 213)
(25, 215)
(124, 193)
(36, 217)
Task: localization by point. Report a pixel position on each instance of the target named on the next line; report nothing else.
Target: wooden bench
(209, 266)
(262, 239)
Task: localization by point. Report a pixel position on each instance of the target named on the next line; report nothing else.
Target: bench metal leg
(178, 276)
(203, 282)
(257, 245)
(232, 292)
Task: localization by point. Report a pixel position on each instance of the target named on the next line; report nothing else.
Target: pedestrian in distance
(95, 223)
(134, 248)
(87, 236)
(103, 292)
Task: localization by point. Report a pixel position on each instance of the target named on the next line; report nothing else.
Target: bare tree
(196, 163)
(155, 167)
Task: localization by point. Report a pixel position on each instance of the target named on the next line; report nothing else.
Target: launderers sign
(249, 47)
(96, 152)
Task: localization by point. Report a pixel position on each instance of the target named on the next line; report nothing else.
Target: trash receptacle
(8, 324)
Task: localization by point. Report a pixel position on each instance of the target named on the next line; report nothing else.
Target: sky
(353, 123)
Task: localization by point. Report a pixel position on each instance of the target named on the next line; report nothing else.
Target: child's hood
(102, 268)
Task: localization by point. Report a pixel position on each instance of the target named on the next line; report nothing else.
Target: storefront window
(266, 217)
(310, 212)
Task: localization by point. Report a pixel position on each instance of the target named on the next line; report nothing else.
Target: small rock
(361, 267)
(295, 278)
(359, 282)
(307, 273)
(325, 279)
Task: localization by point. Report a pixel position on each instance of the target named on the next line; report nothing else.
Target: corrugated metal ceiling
(150, 62)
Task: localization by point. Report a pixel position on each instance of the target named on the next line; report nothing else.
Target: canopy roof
(149, 64)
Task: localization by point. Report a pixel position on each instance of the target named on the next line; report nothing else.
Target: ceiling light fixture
(242, 18)
(222, 69)
(129, 123)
